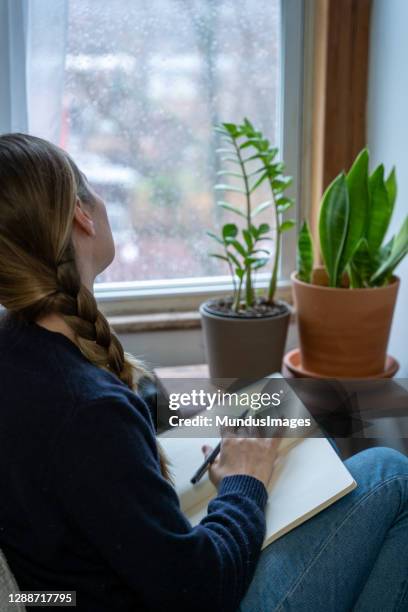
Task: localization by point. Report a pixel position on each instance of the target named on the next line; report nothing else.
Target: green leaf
(261, 251)
(225, 187)
(354, 278)
(287, 225)
(384, 252)
(224, 150)
(217, 238)
(260, 263)
(362, 264)
(240, 273)
(255, 172)
(305, 254)
(391, 186)
(231, 208)
(398, 251)
(273, 173)
(218, 256)
(238, 246)
(255, 156)
(248, 143)
(333, 222)
(357, 185)
(281, 184)
(256, 262)
(269, 153)
(380, 210)
(248, 238)
(232, 129)
(261, 207)
(224, 137)
(254, 231)
(229, 230)
(279, 168)
(229, 173)
(378, 258)
(221, 130)
(234, 259)
(258, 182)
(263, 228)
(283, 204)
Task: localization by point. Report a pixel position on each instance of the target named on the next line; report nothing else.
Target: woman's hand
(249, 456)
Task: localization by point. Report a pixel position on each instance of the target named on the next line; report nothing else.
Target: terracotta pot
(343, 332)
(247, 348)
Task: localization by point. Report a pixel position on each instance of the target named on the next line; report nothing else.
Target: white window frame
(187, 293)
(13, 47)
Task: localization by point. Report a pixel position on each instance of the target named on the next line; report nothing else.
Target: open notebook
(308, 477)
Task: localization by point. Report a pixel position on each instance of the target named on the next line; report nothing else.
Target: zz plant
(243, 244)
(355, 214)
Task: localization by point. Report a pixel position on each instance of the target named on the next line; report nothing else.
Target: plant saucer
(293, 362)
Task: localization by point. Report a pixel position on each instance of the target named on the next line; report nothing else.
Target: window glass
(144, 83)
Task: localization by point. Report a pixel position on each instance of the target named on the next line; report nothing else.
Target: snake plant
(355, 214)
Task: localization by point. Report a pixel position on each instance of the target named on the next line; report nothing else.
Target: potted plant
(245, 333)
(345, 309)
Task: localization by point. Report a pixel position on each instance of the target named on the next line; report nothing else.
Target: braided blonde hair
(39, 187)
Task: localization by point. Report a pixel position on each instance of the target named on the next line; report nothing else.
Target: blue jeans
(351, 556)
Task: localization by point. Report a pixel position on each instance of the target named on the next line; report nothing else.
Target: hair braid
(94, 335)
(39, 187)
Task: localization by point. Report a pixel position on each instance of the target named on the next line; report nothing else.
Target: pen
(211, 458)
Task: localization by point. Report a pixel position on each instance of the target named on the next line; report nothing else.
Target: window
(131, 89)
(144, 82)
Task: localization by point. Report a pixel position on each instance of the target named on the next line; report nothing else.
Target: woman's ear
(83, 219)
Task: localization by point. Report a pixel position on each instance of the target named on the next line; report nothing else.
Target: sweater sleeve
(108, 479)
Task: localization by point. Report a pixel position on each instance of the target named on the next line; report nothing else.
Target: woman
(86, 503)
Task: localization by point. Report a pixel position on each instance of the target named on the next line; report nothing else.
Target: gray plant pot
(247, 348)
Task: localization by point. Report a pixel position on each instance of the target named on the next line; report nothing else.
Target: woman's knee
(378, 464)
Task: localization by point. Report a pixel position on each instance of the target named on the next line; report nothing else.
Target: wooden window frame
(335, 95)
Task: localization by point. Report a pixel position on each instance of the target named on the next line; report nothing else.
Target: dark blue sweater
(83, 505)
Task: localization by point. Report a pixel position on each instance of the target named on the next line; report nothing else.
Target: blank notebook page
(308, 477)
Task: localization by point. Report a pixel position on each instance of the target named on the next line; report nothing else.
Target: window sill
(164, 321)
(117, 301)
(158, 321)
